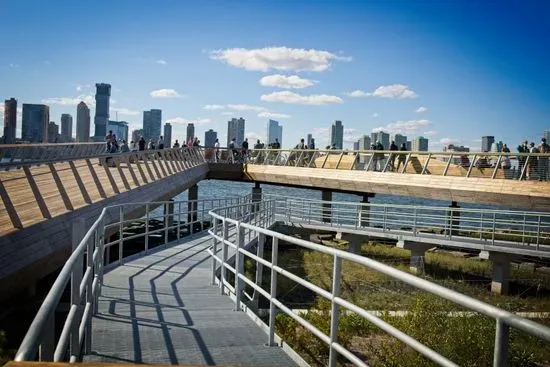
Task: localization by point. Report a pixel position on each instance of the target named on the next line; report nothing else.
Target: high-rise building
(337, 135)
(119, 129)
(168, 135)
(364, 144)
(420, 144)
(309, 139)
(409, 145)
(190, 131)
(382, 137)
(486, 142)
(137, 134)
(10, 120)
(34, 127)
(66, 127)
(399, 140)
(102, 105)
(152, 123)
(275, 131)
(235, 130)
(356, 145)
(82, 123)
(53, 132)
(547, 136)
(210, 137)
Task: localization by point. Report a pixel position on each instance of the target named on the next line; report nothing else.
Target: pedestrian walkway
(160, 309)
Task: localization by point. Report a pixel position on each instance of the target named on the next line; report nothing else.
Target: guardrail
(85, 267)
(504, 320)
(519, 166)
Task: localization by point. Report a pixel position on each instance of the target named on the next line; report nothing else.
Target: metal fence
(503, 320)
(83, 271)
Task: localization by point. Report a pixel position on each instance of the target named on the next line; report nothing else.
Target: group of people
(532, 166)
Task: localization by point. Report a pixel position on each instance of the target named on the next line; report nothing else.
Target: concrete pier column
(418, 254)
(453, 219)
(169, 213)
(500, 283)
(192, 197)
(327, 207)
(354, 241)
(256, 196)
(364, 213)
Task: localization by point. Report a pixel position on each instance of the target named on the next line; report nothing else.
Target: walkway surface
(161, 309)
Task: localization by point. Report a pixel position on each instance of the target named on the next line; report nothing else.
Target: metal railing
(504, 320)
(92, 253)
(519, 166)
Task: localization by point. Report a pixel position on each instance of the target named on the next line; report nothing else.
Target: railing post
(179, 221)
(121, 239)
(335, 310)
(414, 226)
(78, 232)
(384, 219)
(223, 275)
(538, 233)
(259, 266)
(494, 227)
(89, 294)
(500, 357)
(239, 266)
(214, 252)
(273, 291)
(146, 228)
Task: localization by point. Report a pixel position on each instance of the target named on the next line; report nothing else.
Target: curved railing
(92, 253)
(224, 224)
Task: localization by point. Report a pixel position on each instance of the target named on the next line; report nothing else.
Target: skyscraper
(399, 140)
(309, 138)
(152, 123)
(547, 136)
(210, 137)
(168, 135)
(53, 132)
(82, 123)
(119, 129)
(35, 123)
(382, 137)
(486, 142)
(337, 135)
(190, 131)
(274, 131)
(235, 130)
(10, 120)
(356, 145)
(102, 105)
(66, 127)
(420, 144)
(364, 144)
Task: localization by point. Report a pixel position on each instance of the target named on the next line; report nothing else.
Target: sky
(449, 70)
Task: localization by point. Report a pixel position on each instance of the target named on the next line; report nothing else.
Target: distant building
(497, 146)
(168, 135)
(420, 144)
(190, 132)
(409, 145)
(381, 137)
(10, 120)
(364, 144)
(210, 137)
(34, 127)
(53, 132)
(274, 131)
(337, 135)
(547, 136)
(137, 134)
(455, 148)
(399, 140)
(119, 129)
(152, 122)
(102, 106)
(235, 130)
(66, 128)
(309, 138)
(486, 143)
(82, 123)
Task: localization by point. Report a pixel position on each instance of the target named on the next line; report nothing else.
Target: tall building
(420, 144)
(34, 127)
(168, 135)
(381, 137)
(547, 136)
(309, 138)
(66, 127)
(399, 140)
(119, 129)
(337, 135)
(235, 130)
(102, 105)
(190, 132)
(486, 142)
(364, 144)
(210, 137)
(82, 123)
(53, 132)
(356, 145)
(274, 131)
(10, 120)
(409, 145)
(152, 122)
(137, 134)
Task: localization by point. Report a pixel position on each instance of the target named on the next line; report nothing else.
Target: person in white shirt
(217, 151)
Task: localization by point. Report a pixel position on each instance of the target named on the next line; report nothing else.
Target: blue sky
(473, 67)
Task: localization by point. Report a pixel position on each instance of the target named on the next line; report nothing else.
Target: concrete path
(161, 309)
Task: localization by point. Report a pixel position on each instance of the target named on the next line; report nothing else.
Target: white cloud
(165, 93)
(252, 136)
(374, 114)
(161, 62)
(393, 91)
(246, 107)
(181, 120)
(286, 81)
(447, 141)
(125, 111)
(421, 110)
(357, 94)
(228, 113)
(277, 58)
(430, 133)
(69, 101)
(12, 65)
(351, 135)
(403, 126)
(213, 107)
(295, 98)
(267, 114)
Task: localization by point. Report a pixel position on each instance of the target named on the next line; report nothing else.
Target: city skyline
(308, 75)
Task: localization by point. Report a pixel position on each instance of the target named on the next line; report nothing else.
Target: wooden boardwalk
(161, 309)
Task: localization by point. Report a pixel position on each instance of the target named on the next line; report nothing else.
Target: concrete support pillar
(500, 283)
(453, 220)
(169, 213)
(364, 213)
(192, 197)
(327, 207)
(256, 196)
(418, 253)
(354, 241)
